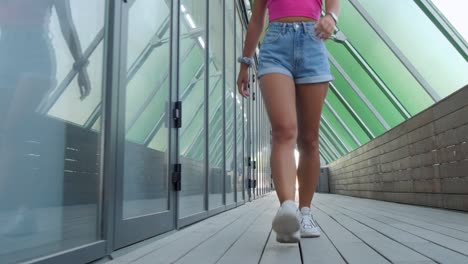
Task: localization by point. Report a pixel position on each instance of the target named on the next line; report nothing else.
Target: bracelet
(246, 60)
(78, 65)
(335, 17)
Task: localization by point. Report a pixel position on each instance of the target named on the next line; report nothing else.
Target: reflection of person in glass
(27, 74)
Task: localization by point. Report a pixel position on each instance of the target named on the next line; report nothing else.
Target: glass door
(194, 88)
(144, 206)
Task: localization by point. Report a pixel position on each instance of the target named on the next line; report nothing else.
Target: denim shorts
(293, 49)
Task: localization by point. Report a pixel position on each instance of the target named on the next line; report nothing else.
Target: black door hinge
(176, 177)
(254, 165)
(253, 77)
(253, 96)
(251, 184)
(177, 114)
(249, 161)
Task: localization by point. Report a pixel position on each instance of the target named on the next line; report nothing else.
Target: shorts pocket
(271, 36)
(312, 35)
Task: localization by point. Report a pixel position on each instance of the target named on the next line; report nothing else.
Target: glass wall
(229, 95)
(87, 140)
(147, 99)
(215, 104)
(50, 136)
(453, 10)
(192, 93)
(239, 160)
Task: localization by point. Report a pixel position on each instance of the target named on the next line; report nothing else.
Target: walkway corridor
(355, 230)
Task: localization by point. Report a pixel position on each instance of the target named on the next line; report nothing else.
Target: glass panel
(339, 129)
(455, 12)
(147, 94)
(245, 145)
(239, 99)
(445, 69)
(347, 118)
(356, 103)
(240, 151)
(215, 136)
(192, 92)
(391, 70)
(368, 87)
(49, 163)
(229, 97)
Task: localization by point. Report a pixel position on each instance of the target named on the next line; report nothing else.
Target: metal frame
(396, 51)
(359, 92)
(332, 110)
(325, 151)
(326, 123)
(336, 143)
(207, 94)
(183, 221)
(439, 20)
(131, 230)
(329, 146)
(351, 110)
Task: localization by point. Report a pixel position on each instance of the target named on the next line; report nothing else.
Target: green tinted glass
(380, 57)
(420, 40)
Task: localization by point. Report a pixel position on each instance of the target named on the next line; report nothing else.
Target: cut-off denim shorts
(294, 49)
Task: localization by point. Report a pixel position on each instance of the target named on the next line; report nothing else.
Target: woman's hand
(325, 27)
(243, 81)
(84, 83)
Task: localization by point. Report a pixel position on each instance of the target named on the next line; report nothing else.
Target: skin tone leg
(309, 102)
(279, 95)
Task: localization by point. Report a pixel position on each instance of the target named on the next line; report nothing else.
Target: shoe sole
(287, 228)
(309, 235)
(288, 238)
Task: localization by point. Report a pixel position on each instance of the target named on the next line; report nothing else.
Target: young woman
(294, 74)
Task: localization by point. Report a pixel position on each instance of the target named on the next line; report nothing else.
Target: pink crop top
(290, 8)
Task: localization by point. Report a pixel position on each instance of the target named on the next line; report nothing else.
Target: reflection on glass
(239, 112)
(147, 93)
(246, 145)
(49, 167)
(229, 97)
(192, 93)
(215, 135)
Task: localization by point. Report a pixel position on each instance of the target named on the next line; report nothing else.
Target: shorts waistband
(292, 26)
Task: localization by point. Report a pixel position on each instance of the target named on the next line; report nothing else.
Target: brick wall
(422, 161)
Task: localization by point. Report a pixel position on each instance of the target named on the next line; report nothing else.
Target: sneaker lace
(308, 221)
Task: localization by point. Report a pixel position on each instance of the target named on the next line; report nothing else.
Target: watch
(246, 60)
(334, 16)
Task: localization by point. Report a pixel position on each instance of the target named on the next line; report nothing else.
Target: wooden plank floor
(354, 230)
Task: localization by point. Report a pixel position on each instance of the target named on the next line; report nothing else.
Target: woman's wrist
(80, 64)
(244, 66)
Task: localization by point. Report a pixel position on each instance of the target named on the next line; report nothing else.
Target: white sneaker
(286, 223)
(309, 228)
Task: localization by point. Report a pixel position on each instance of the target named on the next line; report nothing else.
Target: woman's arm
(326, 25)
(254, 31)
(71, 37)
(332, 6)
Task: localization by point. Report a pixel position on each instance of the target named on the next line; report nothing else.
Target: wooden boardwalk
(354, 230)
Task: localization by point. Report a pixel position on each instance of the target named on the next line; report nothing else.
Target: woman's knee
(308, 143)
(285, 134)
